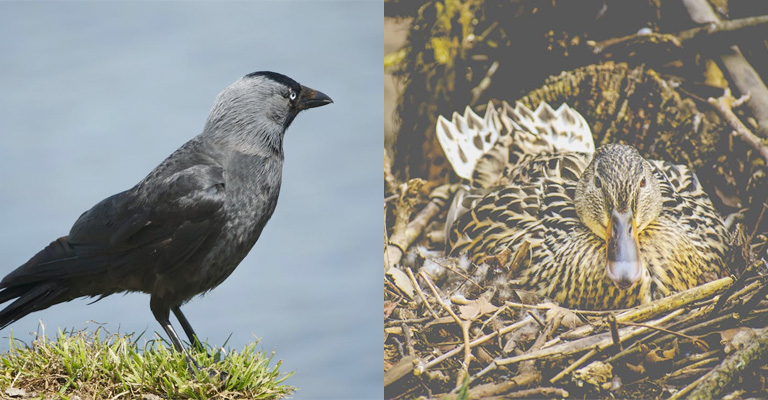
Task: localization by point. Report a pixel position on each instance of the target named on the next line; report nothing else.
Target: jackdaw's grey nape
(185, 227)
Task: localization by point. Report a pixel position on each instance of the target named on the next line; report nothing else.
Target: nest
(452, 333)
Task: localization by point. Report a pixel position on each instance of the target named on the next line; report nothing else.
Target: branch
(404, 233)
(740, 72)
(753, 355)
(702, 37)
(723, 106)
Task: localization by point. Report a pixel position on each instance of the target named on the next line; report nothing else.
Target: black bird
(185, 227)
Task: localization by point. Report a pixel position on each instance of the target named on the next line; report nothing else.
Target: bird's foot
(194, 368)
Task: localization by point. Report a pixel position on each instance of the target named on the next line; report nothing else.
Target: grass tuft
(102, 365)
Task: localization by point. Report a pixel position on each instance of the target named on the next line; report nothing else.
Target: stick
(404, 232)
(464, 330)
(480, 340)
(715, 383)
(573, 366)
(600, 342)
(690, 387)
(739, 71)
(723, 106)
(492, 389)
(720, 32)
(537, 393)
(420, 292)
(660, 306)
(696, 341)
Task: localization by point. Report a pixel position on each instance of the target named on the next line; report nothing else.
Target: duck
(590, 228)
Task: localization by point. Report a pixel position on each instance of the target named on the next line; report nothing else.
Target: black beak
(311, 98)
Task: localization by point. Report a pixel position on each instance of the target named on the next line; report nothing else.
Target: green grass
(114, 366)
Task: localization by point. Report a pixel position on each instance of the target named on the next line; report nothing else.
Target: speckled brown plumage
(531, 185)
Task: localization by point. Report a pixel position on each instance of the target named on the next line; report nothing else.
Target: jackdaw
(185, 227)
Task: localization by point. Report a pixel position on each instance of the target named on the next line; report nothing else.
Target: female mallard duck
(606, 229)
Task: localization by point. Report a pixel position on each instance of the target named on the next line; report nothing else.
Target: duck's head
(617, 197)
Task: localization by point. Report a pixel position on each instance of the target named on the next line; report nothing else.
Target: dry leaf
(728, 334)
(524, 334)
(595, 373)
(570, 319)
(738, 339)
(401, 281)
(394, 330)
(500, 259)
(389, 306)
(477, 308)
(640, 368)
(658, 355)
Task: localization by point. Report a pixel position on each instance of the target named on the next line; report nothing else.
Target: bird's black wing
(158, 225)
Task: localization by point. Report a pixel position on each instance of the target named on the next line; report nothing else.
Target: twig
(393, 322)
(420, 292)
(536, 393)
(615, 332)
(749, 272)
(479, 341)
(464, 324)
(537, 319)
(529, 367)
(693, 366)
(740, 72)
(757, 224)
(723, 106)
(600, 341)
(721, 32)
(399, 370)
(405, 233)
(484, 84)
(696, 341)
(548, 307)
(660, 306)
(715, 383)
(408, 341)
(491, 389)
(675, 301)
(463, 275)
(690, 387)
(753, 301)
(684, 363)
(573, 366)
(389, 178)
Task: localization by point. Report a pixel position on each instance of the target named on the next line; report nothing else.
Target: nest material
(448, 330)
(450, 333)
(439, 343)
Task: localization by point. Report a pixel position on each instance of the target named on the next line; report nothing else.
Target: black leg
(162, 315)
(193, 339)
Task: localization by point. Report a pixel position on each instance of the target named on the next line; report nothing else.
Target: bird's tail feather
(465, 138)
(37, 284)
(480, 148)
(29, 297)
(546, 130)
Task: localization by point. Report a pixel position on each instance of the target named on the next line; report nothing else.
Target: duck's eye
(292, 96)
(642, 182)
(598, 182)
